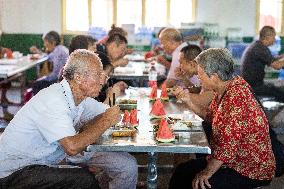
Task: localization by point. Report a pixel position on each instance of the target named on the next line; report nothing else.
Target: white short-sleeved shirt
(175, 63)
(32, 136)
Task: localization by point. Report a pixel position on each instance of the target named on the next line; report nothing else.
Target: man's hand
(34, 50)
(112, 115)
(201, 180)
(179, 73)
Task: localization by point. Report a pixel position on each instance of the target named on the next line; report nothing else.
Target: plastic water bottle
(152, 75)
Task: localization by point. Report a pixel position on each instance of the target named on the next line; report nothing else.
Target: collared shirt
(32, 137)
(58, 57)
(175, 63)
(241, 132)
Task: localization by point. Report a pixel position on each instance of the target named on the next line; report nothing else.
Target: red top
(241, 132)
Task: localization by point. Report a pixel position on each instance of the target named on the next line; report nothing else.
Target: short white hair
(79, 62)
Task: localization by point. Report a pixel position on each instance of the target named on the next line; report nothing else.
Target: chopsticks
(111, 102)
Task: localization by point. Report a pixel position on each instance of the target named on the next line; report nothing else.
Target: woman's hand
(201, 180)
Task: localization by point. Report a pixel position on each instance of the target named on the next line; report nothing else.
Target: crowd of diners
(70, 111)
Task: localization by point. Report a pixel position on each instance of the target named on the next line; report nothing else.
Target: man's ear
(77, 78)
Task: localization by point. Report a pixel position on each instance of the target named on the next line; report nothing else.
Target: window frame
(257, 28)
(114, 19)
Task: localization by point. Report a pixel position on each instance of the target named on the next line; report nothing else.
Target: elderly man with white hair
(46, 130)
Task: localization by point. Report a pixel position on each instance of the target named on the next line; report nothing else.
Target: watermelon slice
(126, 117)
(153, 94)
(133, 118)
(158, 110)
(164, 133)
(164, 93)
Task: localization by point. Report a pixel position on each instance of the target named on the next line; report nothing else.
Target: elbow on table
(69, 146)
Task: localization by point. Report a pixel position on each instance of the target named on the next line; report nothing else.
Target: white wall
(228, 13)
(30, 16)
(41, 16)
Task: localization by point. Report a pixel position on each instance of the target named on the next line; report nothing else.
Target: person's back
(253, 63)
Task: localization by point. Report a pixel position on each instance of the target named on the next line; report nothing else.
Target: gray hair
(217, 60)
(79, 62)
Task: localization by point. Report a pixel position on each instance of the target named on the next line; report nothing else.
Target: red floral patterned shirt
(241, 132)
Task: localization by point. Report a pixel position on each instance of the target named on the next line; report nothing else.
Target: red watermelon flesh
(158, 109)
(164, 132)
(133, 117)
(153, 94)
(126, 117)
(164, 93)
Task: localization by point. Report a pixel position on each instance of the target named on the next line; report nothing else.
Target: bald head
(171, 34)
(80, 62)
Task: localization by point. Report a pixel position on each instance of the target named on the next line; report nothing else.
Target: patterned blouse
(241, 132)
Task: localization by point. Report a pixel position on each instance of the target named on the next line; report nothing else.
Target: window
(156, 13)
(129, 12)
(76, 15)
(79, 15)
(180, 12)
(102, 13)
(270, 13)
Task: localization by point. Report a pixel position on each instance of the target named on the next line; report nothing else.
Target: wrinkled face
(187, 66)
(92, 81)
(168, 45)
(205, 81)
(116, 51)
(49, 46)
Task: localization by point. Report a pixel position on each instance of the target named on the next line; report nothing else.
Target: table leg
(152, 171)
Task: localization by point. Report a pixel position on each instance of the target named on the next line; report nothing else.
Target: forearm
(170, 83)
(278, 64)
(90, 133)
(212, 166)
(199, 103)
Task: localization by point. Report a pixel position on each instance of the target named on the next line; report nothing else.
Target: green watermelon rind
(165, 140)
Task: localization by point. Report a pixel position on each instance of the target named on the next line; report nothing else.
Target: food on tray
(124, 133)
(127, 104)
(127, 101)
(164, 93)
(158, 110)
(126, 118)
(133, 118)
(182, 126)
(153, 94)
(164, 133)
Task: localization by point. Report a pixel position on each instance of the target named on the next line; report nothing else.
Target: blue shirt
(58, 57)
(32, 136)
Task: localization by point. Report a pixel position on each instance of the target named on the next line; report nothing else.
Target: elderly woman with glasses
(242, 154)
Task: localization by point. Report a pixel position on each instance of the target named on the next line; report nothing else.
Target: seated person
(87, 42)
(185, 72)
(5, 52)
(187, 68)
(115, 30)
(47, 130)
(115, 48)
(253, 63)
(57, 55)
(172, 43)
(157, 52)
(242, 156)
